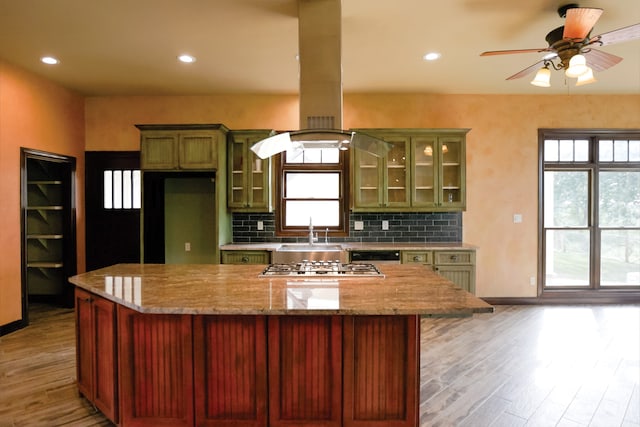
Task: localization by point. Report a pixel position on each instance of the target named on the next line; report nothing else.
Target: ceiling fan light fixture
(577, 66)
(542, 78)
(586, 78)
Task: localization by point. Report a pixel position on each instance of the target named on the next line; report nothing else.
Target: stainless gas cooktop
(321, 268)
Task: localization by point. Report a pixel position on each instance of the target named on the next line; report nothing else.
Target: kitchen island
(218, 345)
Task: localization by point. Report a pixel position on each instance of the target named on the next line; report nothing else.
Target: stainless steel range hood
(320, 58)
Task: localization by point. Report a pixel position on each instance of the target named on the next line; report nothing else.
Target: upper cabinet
(382, 183)
(423, 171)
(180, 147)
(249, 180)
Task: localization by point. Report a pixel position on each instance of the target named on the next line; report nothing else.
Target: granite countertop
(237, 290)
(350, 246)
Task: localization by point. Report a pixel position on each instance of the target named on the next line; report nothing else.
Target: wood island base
(255, 370)
(216, 345)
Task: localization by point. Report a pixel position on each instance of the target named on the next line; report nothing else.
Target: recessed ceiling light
(187, 59)
(431, 56)
(49, 60)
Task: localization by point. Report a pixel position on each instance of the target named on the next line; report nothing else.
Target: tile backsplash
(403, 227)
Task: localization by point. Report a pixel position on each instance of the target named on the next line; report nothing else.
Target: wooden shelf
(45, 264)
(44, 182)
(45, 208)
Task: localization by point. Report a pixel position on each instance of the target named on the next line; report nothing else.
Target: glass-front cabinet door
(368, 179)
(452, 155)
(249, 175)
(425, 178)
(382, 182)
(397, 178)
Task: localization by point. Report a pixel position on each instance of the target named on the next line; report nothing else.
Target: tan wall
(502, 151)
(39, 115)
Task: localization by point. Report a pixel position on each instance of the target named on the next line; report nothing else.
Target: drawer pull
(454, 258)
(416, 258)
(245, 259)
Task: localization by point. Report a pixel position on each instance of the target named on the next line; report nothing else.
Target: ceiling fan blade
(600, 61)
(528, 70)
(579, 21)
(632, 32)
(509, 52)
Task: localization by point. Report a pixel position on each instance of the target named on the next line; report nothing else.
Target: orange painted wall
(37, 114)
(502, 151)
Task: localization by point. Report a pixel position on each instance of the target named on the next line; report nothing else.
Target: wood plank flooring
(566, 366)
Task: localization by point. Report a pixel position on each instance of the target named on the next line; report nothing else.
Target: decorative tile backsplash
(403, 227)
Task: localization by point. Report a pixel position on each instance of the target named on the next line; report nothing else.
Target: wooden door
(381, 371)
(96, 361)
(305, 371)
(230, 367)
(112, 234)
(156, 369)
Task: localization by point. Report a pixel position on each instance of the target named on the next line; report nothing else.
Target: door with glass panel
(590, 212)
(438, 165)
(396, 184)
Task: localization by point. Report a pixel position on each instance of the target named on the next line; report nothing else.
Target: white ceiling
(129, 47)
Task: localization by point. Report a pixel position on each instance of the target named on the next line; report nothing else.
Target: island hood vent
(320, 60)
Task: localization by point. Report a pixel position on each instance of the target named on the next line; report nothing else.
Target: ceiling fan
(572, 48)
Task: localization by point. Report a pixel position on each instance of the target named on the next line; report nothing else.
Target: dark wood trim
(563, 298)
(595, 293)
(13, 326)
(70, 245)
(343, 168)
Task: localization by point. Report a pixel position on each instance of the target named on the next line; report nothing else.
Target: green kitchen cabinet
(249, 180)
(246, 257)
(383, 183)
(423, 171)
(459, 266)
(180, 147)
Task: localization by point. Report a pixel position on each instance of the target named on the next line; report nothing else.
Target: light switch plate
(260, 225)
(358, 225)
(517, 218)
(385, 225)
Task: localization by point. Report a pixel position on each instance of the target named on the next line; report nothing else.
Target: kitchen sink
(305, 247)
(298, 252)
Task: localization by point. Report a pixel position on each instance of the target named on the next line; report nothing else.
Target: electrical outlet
(385, 225)
(187, 246)
(532, 280)
(358, 225)
(517, 218)
(260, 226)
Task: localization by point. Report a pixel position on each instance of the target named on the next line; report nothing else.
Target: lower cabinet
(250, 371)
(305, 371)
(459, 266)
(96, 355)
(230, 370)
(156, 369)
(245, 257)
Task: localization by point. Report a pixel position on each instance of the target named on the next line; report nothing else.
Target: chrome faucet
(312, 238)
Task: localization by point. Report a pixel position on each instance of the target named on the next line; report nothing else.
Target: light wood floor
(534, 366)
